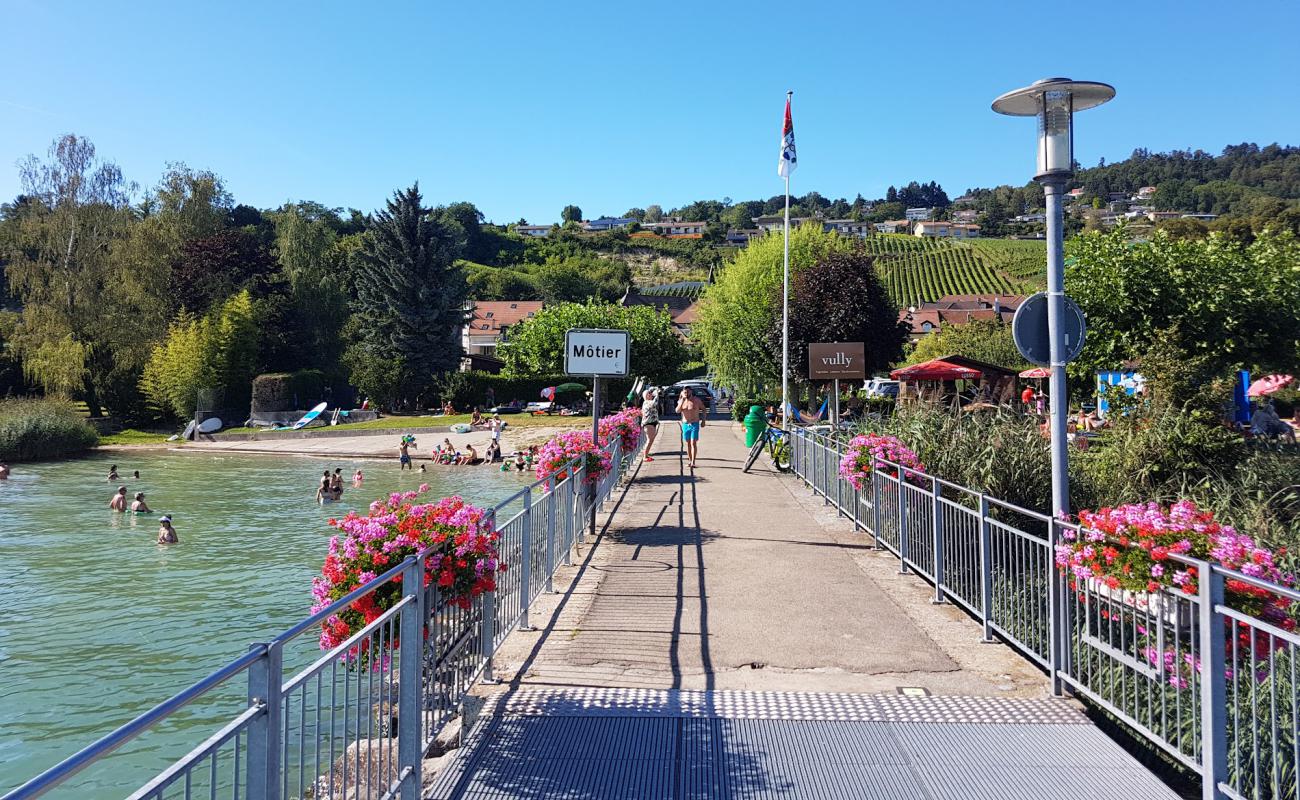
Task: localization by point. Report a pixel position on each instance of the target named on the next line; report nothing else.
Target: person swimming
(357, 478)
(112, 473)
(118, 503)
(139, 506)
(136, 475)
(166, 533)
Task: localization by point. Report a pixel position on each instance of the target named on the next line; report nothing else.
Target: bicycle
(777, 443)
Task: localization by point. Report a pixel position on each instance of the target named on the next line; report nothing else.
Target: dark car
(668, 397)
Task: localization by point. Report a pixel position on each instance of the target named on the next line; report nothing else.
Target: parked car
(880, 387)
(668, 397)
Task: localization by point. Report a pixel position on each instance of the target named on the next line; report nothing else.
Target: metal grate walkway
(619, 743)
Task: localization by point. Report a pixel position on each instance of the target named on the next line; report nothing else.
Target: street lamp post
(1053, 101)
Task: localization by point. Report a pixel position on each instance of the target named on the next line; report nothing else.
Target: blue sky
(523, 108)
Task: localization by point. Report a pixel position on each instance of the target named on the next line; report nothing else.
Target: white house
(914, 214)
(893, 226)
(489, 320)
(950, 230)
(607, 223)
(848, 227)
(676, 228)
(533, 230)
(776, 222)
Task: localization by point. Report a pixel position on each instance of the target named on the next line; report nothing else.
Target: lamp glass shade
(1055, 133)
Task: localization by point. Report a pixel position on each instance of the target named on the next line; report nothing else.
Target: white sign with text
(594, 352)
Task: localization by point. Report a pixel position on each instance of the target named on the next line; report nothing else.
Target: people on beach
(519, 460)
(118, 503)
(476, 419)
(470, 456)
(493, 454)
(690, 408)
(650, 419)
(496, 425)
(1266, 422)
(404, 457)
(166, 533)
(112, 473)
(139, 506)
(448, 410)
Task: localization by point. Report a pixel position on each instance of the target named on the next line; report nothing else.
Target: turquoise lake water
(98, 623)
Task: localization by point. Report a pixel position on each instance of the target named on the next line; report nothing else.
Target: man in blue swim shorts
(691, 409)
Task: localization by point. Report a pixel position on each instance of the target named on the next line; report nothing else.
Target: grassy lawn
(132, 436)
(404, 422)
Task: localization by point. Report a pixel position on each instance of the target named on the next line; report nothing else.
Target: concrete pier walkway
(727, 636)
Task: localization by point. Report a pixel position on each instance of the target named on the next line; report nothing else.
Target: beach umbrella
(570, 387)
(1037, 372)
(1269, 384)
(548, 393)
(936, 370)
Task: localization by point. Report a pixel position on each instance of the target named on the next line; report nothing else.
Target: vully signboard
(593, 352)
(827, 361)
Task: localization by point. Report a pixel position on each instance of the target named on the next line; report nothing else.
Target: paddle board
(189, 431)
(309, 416)
(461, 427)
(210, 425)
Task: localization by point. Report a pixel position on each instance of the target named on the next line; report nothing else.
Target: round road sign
(1029, 329)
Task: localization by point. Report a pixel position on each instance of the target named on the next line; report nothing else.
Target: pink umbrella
(1268, 384)
(1037, 372)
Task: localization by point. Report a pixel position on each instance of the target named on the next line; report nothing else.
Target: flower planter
(1155, 606)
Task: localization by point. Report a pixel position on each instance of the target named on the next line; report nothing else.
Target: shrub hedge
(33, 428)
(288, 391)
(466, 390)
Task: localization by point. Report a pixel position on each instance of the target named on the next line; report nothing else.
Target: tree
(571, 214)
(499, 283)
(76, 303)
(637, 214)
(737, 311)
(315, 262)
(984, 340)
(839, 298)
(1214, 297)
(578, 277)
(217, 350)
(410, 292)
(536, 347)
(653, 213)
(212, 268)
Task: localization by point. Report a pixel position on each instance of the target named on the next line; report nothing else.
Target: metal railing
(356, 721)
(1210, 685)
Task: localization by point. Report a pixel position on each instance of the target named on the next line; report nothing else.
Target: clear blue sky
(522, 108)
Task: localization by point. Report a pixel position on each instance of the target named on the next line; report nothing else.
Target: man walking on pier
(689, 406)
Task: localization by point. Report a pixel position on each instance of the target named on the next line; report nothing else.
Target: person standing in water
(357, 478)
(403, 456)
(118, 503)
(112, 473)
(336, 483)
(4, 471)
(166, 533)
(690, 408)
(139, 506)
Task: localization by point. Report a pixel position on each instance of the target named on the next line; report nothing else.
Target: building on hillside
(1145, 193)
(1038, 217)
(533, 230)
(676, 228)
(965, 215)
(681, 310)
(1074, 194)
(958, 309)
(1156, 216)
(894, 226)
(489, 321)
(849, 227)
(607, 223)
(742, 237)
(776, 222)
(946, 230)
(919, 213)
(1201, 217)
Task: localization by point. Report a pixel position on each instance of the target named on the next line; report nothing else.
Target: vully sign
(837, 360)
(594, 352)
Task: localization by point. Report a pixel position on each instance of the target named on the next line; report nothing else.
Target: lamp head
(1053, 101)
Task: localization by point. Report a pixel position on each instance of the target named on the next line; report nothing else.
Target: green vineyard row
(919, 270)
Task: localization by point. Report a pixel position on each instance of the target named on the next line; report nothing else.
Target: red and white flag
(788, 159)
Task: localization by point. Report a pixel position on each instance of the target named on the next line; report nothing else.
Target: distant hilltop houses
(924, 319)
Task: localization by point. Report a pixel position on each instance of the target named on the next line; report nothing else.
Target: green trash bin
(755, 423)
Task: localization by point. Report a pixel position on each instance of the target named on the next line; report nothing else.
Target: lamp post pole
(1053, 187)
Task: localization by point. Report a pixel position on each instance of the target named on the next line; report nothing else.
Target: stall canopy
(1037, 372)
(1269, 385)
(936, 370)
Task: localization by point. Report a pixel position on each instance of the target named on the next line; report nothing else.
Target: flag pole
(785, 304)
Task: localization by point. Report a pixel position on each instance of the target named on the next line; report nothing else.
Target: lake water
(98, 623)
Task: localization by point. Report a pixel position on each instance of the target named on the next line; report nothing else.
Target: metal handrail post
(902, 523)
(410, 714)
(552, 502)
(526, 565)
(1056, 630)
(986, 570)
(487, 629)
(262, 776)
(875, 505)
(937, 528)
(1214, 709)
